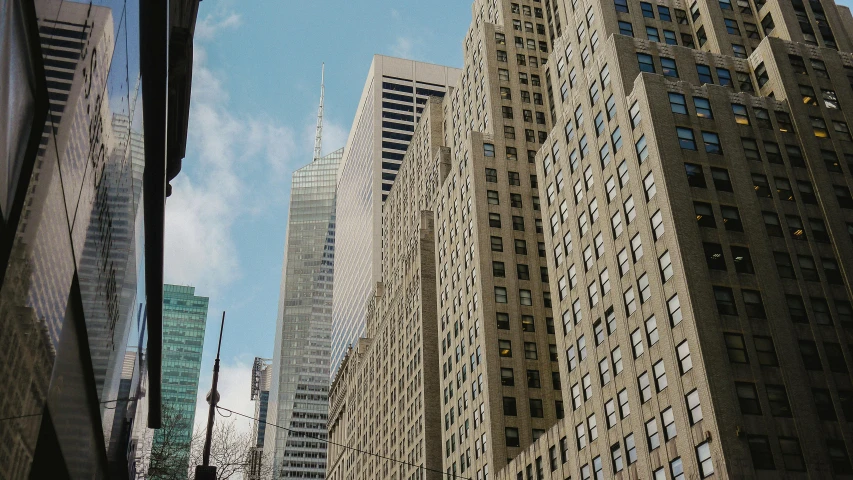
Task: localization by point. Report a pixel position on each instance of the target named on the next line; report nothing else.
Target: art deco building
(298, 398)
(390, 106)
(695, 188)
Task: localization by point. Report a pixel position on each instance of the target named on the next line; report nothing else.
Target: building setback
(298, 398)
(390, 106)
(706, 340)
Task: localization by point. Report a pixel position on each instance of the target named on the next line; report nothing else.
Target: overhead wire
(124, 399)
(421, 467)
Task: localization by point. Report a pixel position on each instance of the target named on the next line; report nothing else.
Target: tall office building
(698, 342)
(390, 106)
(184, 321)
(298, 399)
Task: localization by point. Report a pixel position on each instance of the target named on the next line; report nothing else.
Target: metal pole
(205, 471)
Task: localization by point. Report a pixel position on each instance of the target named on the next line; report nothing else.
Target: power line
(16, 417)
(443, 474)
(20, 416)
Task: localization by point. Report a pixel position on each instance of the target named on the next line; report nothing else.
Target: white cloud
(335, 136)
(403, 47)
(226, 151)
(234, 388)
(209, 26)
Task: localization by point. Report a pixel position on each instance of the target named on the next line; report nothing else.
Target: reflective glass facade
(184, 319)
(298, 399)
(69, 286)
(391, 104)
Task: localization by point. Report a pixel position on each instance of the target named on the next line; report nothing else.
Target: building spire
(318, 141)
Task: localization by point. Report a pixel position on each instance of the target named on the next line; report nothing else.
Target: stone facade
(693, 167)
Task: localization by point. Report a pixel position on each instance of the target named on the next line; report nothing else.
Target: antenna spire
(318, 140)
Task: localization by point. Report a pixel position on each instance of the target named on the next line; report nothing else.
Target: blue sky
(253, 113)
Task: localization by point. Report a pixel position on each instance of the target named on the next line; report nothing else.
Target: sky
(253, 113)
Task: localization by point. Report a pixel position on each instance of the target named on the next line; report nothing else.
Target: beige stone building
(693, 162)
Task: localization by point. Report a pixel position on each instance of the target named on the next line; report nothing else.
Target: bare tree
(167, 449)
(231, 452)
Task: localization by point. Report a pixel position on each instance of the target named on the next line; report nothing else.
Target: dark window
(510, 407)
(748, 398)
(762, 456)
(811, 359)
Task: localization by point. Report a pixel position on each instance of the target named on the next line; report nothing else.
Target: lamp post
(205, 471)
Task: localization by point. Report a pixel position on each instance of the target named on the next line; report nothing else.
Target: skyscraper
(298, 398)
(184, 321)
(707, 333)
(390, 106)
(696, 186)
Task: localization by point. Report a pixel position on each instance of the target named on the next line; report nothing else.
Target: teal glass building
(184, 319)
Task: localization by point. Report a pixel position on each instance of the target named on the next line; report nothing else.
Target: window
(510, 407)
(695, 175)
(520, 247)
(747, 398)
(725, 300)
(668, 65)
(536, 409)
(842, 131)
(771, 223)
(778, 399)
(491, 175)
(714, 256)
(626, 28)
(677, 103)
(660, 376)
(830, 99)
(492, 197)
(762, 456)
(652, 330)
(525, 297)
(742, 260)
(530, 351)
(616, 456)
(703, 456)
(838, 457)
(703, 107)
(712, 143)
(665, 264)
(507, 377)
(694, 406)
(533, 380)
(704, 72)
(512, 439)
(753, 303)
(792, 454)
(657, 225)
(811, 359)
(636, 116)
(668, 420)
(722, 181)
(673, 306)
(685, 363)
(685, 138)
(645, 387)
(647, 10)
(505, 348)
(646, 63)
(497, 244)
(704, 215)
(741, 115)
(652, 434)
(819, 127)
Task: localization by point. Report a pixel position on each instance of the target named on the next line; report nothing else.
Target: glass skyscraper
(184, 319)
(300, 387)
